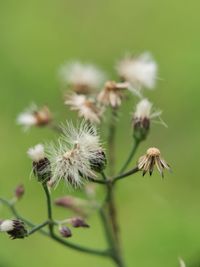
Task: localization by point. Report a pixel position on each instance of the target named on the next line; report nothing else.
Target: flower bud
(19, 191)
(141, 128)
(15, 228)
(141, 119)
(65, 232)
(78, 222)
(41, 164)
(99, 162)
(77, 205)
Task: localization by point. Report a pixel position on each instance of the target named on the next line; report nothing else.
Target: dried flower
(78, 222)
(34, 116)
(86, 107)
(19, 191)
(41, 164)
(141, 118)
(153, 157)
(112, 93)
(71, 158)
(15, 228)
(65, 232)
(139, 71)
(82, 78)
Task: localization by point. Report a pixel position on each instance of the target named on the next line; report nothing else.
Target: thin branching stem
(126, 174)
(98, 252)
(111, 140)
(131, 155)
(64, 242)
(38, 227)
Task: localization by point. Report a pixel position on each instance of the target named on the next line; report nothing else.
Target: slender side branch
(132, 153)
(126, 174)
(38, 227)
(93, 180)
(64, 242)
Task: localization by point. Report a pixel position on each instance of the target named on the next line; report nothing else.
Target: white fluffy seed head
(26, 119)
(36, 153)
(143, 109)
(70, 158)
(6, 226)
(82, 77)
(140, 71)
(86, 107)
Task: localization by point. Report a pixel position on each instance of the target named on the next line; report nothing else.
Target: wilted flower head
(86, 107)
(41, 164)
(139, 71)
(82, 78)
(112, 93)
(152, 157)
(72, 156)
(34, 116)
(15, 228)
(141, 118)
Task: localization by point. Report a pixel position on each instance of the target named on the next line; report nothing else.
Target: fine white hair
(139, 71)
(36, 153)
(77, 73)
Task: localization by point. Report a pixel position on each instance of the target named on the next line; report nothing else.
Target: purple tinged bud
(65, 232)
(78, 222)
(19, 191)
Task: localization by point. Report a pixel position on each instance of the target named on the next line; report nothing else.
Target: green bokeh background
(159, 218)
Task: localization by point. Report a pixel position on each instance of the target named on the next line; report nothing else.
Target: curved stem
(62, 241)
(97, 252)
(132, 153)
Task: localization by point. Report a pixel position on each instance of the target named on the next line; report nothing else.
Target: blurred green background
(160, 219)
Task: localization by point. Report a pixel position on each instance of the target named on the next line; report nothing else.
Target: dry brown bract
(147, 162)
(86, 107)
(112, 93)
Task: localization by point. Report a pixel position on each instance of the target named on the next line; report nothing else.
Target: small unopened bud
(15, 228)
(41, 164)
(19, 191)
(98, 163)
(65, 232)
(78, 222)
(77, 205)
(141, 119)
(141, 128)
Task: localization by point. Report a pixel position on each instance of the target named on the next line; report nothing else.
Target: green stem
(111, 140)
(38, 227)
(62, 241)
(132, 153)
(105, 253)
(126, 174)
(110, 223)
(49, 209)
